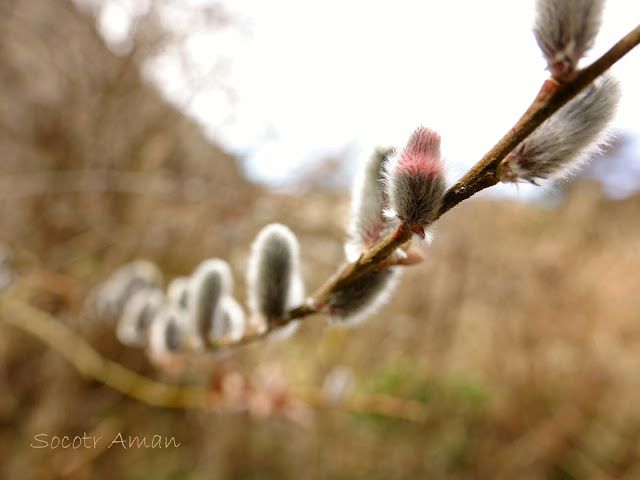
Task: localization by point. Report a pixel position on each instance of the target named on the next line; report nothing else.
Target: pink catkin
(415, 181)
(422, 153)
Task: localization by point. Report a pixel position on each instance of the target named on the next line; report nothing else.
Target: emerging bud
(210, 282)
(565, 30)
(177, 291)
(355, 302)
(560, 146)
(415, 181)
(367, 223)
(273, 279)
(123, 283)
(139, 311)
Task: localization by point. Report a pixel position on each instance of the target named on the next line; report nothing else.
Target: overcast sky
(316, 79)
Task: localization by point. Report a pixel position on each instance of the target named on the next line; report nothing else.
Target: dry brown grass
(517, 333)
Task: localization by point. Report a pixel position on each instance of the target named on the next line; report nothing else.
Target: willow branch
(90, 363)
(552, 96)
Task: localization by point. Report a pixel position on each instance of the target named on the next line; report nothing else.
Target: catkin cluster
(199, 312)
(403, 188)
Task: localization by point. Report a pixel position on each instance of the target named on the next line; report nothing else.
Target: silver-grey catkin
(211, 281)
(565, 30)
(562, 144)
(273, 278)
(367, 222)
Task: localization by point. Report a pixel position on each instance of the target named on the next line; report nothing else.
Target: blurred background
(174, 131)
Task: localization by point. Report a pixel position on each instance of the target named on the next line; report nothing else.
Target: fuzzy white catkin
(562, 144)
(273, 277)
(137, 315)
(211, 281)
(415, 180)
(367, 222)
(565, 30)
(122, 284)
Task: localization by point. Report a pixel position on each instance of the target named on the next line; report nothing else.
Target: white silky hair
(565, 30)
(559, 147)
(273, 276)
